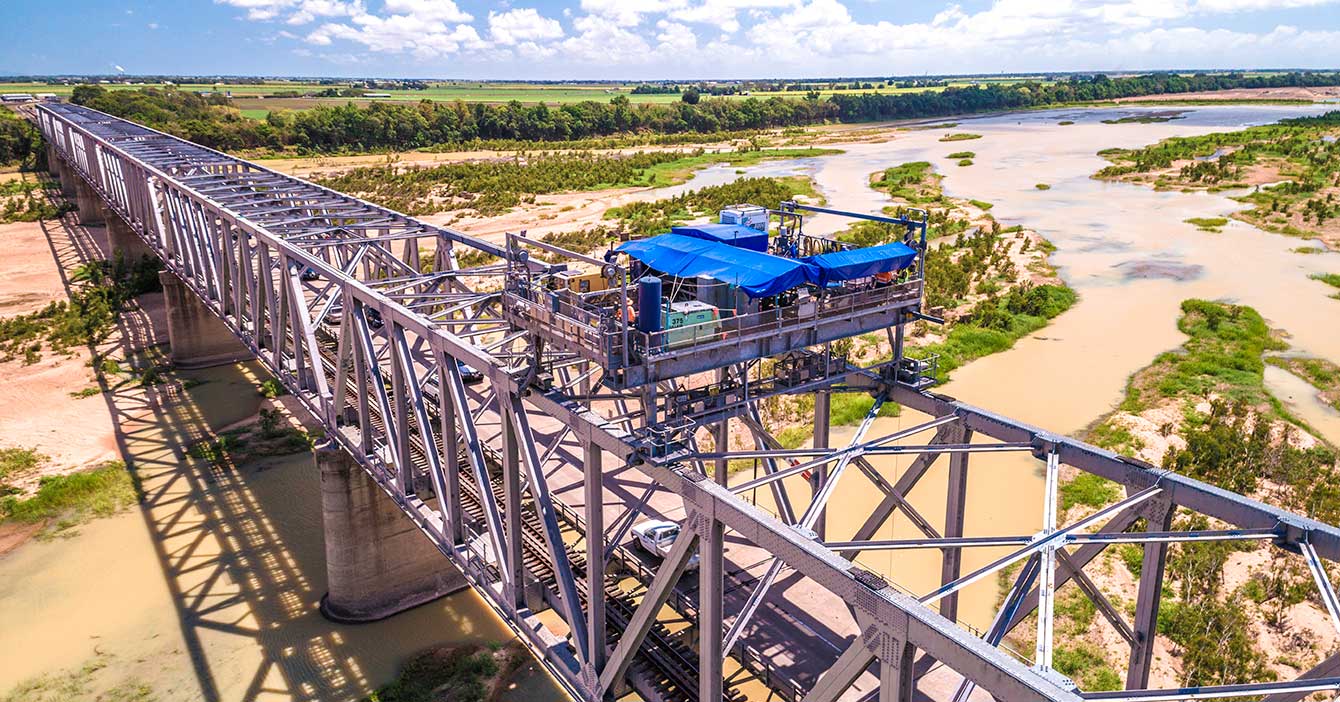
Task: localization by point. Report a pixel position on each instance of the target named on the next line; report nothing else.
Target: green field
(253, 101)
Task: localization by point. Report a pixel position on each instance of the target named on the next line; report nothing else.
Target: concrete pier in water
(378, 562)
(197, 337)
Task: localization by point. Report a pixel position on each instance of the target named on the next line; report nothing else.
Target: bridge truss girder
(387, 383)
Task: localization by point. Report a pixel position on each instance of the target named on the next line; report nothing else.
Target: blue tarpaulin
(730, 234)
(757, 274)
(862, 263)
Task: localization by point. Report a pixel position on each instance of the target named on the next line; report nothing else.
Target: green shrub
(1089, 490)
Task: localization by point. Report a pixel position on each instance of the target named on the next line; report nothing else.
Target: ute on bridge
(588, 418)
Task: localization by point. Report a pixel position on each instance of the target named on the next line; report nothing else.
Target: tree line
(410, 125)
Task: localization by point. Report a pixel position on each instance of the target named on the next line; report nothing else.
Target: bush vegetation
(492, 187)
(463, 673)
(103, 288)
(210, 120)
(30, 200)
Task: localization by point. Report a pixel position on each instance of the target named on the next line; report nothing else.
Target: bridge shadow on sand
(241, 547)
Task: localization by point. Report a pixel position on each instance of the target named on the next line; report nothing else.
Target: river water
(1128, 252)
(209, 590)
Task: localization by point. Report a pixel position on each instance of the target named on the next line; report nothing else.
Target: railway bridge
(487, 430)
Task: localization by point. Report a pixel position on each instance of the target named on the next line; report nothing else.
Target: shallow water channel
(209, 589)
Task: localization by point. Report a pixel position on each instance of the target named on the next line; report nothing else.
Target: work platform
(597, 323)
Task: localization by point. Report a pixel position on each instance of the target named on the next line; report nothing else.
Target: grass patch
(1309, 250)
(1331, 279)
(1083, 662)
(1089, 490)
(73, 499)
(1065, 123)
(1222, 354)
(965, 163)
(960, 136)
(963, 154)
(1213, 225)
(271, 388)
(981, 204)
(850, 408)
(79, 686)
(1042, 186)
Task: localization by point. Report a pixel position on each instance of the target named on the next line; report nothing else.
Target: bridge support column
(378, 562)
(90, 207)
(53, 161)
(197, 338)
(124, 241)
(67, 178)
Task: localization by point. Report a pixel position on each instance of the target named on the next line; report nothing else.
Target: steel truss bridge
(366, 314)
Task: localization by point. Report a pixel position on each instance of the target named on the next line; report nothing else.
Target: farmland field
(256, 97)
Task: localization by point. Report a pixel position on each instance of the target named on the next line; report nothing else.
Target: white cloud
(428, 10)
(670, 38)
(1251, 5)
(522, 25)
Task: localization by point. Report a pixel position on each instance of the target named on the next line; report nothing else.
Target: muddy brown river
(209, 590)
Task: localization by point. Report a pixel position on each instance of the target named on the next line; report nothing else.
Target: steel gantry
(374, 321)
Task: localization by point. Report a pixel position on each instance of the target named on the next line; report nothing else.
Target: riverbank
(215, 565)
(1285, 173)
(1205, 411)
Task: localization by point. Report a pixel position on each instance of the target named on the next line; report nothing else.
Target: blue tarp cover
(862, 263)
(732, 234)
(757, 274)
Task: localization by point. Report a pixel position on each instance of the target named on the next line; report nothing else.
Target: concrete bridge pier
(90, 206)
(378, 562)
(68, 178)
(124, 241)
(53, 161)
(197, 338)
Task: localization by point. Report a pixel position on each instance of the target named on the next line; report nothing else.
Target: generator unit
(751, 216)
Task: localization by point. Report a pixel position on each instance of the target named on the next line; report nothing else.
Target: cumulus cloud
(522, 25)
(632, 38)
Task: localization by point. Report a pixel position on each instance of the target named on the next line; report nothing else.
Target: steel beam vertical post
(711, 586)
(1158, 517)
(822, 405)
(595, 554)
(955, 509)
(511, 474)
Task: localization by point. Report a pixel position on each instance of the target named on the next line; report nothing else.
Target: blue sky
(642, 39)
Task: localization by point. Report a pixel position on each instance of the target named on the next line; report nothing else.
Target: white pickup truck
(656, 537)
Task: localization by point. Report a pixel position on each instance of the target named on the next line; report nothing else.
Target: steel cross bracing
(365, 315)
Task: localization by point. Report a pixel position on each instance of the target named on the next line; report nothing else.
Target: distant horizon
(22, 77)
(642, 40)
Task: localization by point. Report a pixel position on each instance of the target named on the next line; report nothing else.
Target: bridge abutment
(197, 338)
(378, 562)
